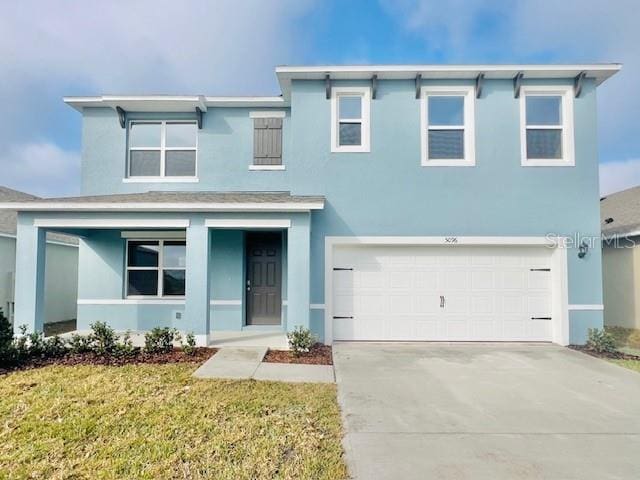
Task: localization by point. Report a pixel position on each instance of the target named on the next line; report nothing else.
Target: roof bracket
(327, 86)
(374, 86)
(479, 83)
(122, 116)
(199, 117)
(577, 83)
(517, 83)
(418, 84)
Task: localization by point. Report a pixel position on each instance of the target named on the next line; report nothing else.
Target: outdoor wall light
(583, 249)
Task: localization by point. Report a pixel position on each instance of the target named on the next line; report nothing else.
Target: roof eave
(163, 207)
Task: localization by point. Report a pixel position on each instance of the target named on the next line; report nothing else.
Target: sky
(53, 48)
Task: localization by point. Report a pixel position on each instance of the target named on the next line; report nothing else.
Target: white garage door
(452, 293)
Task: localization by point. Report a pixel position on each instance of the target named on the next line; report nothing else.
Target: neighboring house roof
(9, 218)
(287, 73)
(620, 213)
(176, 201)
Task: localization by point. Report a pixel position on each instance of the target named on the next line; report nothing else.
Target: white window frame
(160, 268)
(468, 92)
(568, 155)
(163, 149)
(364, 120)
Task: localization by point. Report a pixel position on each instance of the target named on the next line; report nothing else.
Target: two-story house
(415, 202)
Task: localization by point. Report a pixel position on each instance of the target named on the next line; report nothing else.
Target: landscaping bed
(616, 355)
(197, 356)
(318, 354)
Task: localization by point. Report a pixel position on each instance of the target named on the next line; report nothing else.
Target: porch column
(197, 281)
(298, 271)
(31, 243)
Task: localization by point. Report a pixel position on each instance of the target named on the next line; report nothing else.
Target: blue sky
(54, 48)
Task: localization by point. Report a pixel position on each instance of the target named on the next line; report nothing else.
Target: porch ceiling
(175, 201)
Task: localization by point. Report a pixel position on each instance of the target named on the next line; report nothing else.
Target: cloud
(56, 48)
(43, 169)
(617, 176)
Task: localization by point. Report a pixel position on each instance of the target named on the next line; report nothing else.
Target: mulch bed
(613, 355)
(318, 355)
(176, 356)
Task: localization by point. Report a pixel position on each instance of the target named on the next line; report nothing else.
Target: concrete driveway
(486, 411)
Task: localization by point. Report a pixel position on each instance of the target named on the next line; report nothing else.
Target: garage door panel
(394, 293)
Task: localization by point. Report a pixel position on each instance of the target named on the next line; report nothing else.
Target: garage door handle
(540, 318)
(341, 317)
(441, 301)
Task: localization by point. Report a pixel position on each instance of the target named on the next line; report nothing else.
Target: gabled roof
(620, 213)
(175, 201)
(9, 218)
(287, 73)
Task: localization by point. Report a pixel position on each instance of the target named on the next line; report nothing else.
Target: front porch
(229, 277)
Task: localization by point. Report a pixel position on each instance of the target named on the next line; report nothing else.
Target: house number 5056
(451, 240)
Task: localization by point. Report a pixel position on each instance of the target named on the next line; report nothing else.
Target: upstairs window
(350, 120)
(162, 149)
(546, 116)
(156, 268)
(447, 120)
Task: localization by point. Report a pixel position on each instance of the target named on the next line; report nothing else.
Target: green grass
(157, 422)
(630, 364)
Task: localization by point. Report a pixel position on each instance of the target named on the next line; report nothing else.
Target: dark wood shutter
(267, 141)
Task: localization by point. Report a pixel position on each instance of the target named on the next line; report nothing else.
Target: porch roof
(156, 201)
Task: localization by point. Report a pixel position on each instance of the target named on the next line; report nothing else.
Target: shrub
(159, 340)
(54, 347)
(189, 346)
(125, 347)
(301, 340)
(36, 345)
(7, 348)
(103, 338)
(80, 343)
(600, 341)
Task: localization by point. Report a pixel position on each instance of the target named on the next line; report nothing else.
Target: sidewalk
(244, 363)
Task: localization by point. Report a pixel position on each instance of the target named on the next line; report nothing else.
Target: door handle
(441, 301)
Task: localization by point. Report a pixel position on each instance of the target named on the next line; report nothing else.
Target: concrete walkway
(486, 412)
(244, 363)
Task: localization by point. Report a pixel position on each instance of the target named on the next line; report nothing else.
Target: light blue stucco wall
(386, 191)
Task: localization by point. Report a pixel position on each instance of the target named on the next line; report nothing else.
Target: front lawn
(158, 422)
(627, 363)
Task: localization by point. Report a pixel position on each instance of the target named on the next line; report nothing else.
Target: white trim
(266, 167)
(568, 145)
(247, 223)
(317, 306)
(596, 307)
(285, 303)
(560, 332)
(109, 223)
(155, 234)
(225, 302)
(364, 120)
(131, 301)
(268, 114)
(160, 180)
(468, 93)
(162, 207)
(202, 340)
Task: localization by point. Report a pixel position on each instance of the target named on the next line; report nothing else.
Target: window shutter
(267, 141)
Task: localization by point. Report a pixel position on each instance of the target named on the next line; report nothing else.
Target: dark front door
(264, 278)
